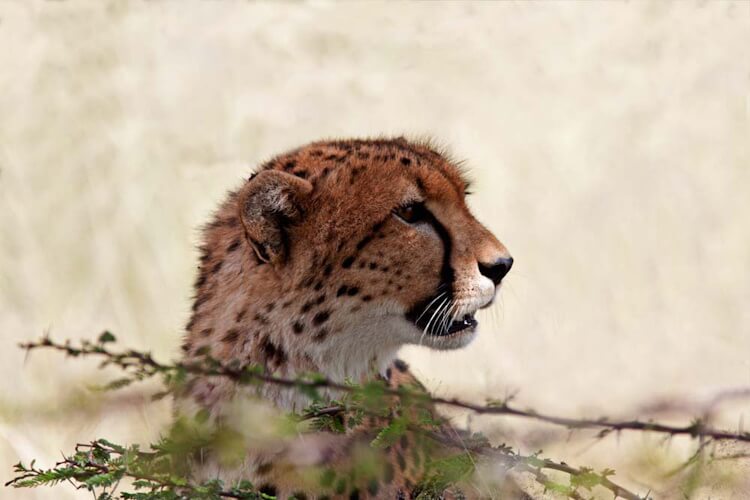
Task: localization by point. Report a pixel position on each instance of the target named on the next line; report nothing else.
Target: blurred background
(609, 142)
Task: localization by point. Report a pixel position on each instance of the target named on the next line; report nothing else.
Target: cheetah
(328, 259)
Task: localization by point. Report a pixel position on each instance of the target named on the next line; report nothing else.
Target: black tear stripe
(446, 276)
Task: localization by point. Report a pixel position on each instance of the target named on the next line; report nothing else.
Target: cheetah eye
(412, 213)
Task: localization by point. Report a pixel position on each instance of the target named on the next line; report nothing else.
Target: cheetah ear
(268, 203)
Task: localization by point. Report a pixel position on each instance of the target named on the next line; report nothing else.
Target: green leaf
(390, 434)
(586, 479)
(116, 384)
(106, 337)
(558, 488)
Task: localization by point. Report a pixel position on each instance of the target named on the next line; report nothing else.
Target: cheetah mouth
(467, 323)
(435, 321)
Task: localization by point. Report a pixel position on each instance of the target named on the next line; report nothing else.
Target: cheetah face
(427, 265)
(380, 236)
(446, 317)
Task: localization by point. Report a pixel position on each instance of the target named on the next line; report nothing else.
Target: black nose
(497, 270)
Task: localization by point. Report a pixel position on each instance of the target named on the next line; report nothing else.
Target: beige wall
(610, 144)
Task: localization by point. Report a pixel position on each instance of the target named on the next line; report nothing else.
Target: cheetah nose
(497, 270)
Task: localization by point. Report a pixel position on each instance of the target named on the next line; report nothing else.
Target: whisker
(450, 315)
(427, 326)
(441, 316)
(428, 306)
(436, 316)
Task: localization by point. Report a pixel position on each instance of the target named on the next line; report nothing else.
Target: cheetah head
(334, 255)
(378, 238)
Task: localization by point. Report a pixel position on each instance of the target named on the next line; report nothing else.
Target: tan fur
(305, 268)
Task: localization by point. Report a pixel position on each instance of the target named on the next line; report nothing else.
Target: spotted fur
(308, 267)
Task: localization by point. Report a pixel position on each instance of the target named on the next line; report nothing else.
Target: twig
(144, 365)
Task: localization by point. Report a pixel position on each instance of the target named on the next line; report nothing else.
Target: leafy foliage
(161, 472)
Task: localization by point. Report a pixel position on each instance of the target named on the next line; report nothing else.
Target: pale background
(610, 143)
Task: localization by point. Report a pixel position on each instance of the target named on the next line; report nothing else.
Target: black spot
(400, 366)
(316, 153)
(268, 489)
(260, 319)
(307, 306)
(420, 184)
(270, 306)
(272, 352)
(348, 262)
(353, 290)
(302, 174)
(298, 495)
(364, 241)
(354, 495)
(388, 374)
(366, 298)
(201, 300)
(320, 335)
(234, 245)
(373, 265)
(200, 281)
(320, 299)
(341, 291)
(264, 468)
(401, 461)
(321, 317)
(217, 267)
(297, 327)
(385, 269)
(289, 165)
(318, 286)
(372, 487)
(405, 161)
(388, 473)
(240, 315)
(232, 221)
(328, 270)
(231, 336)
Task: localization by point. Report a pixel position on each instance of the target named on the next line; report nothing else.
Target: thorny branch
(88, 468)
(143, 365)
